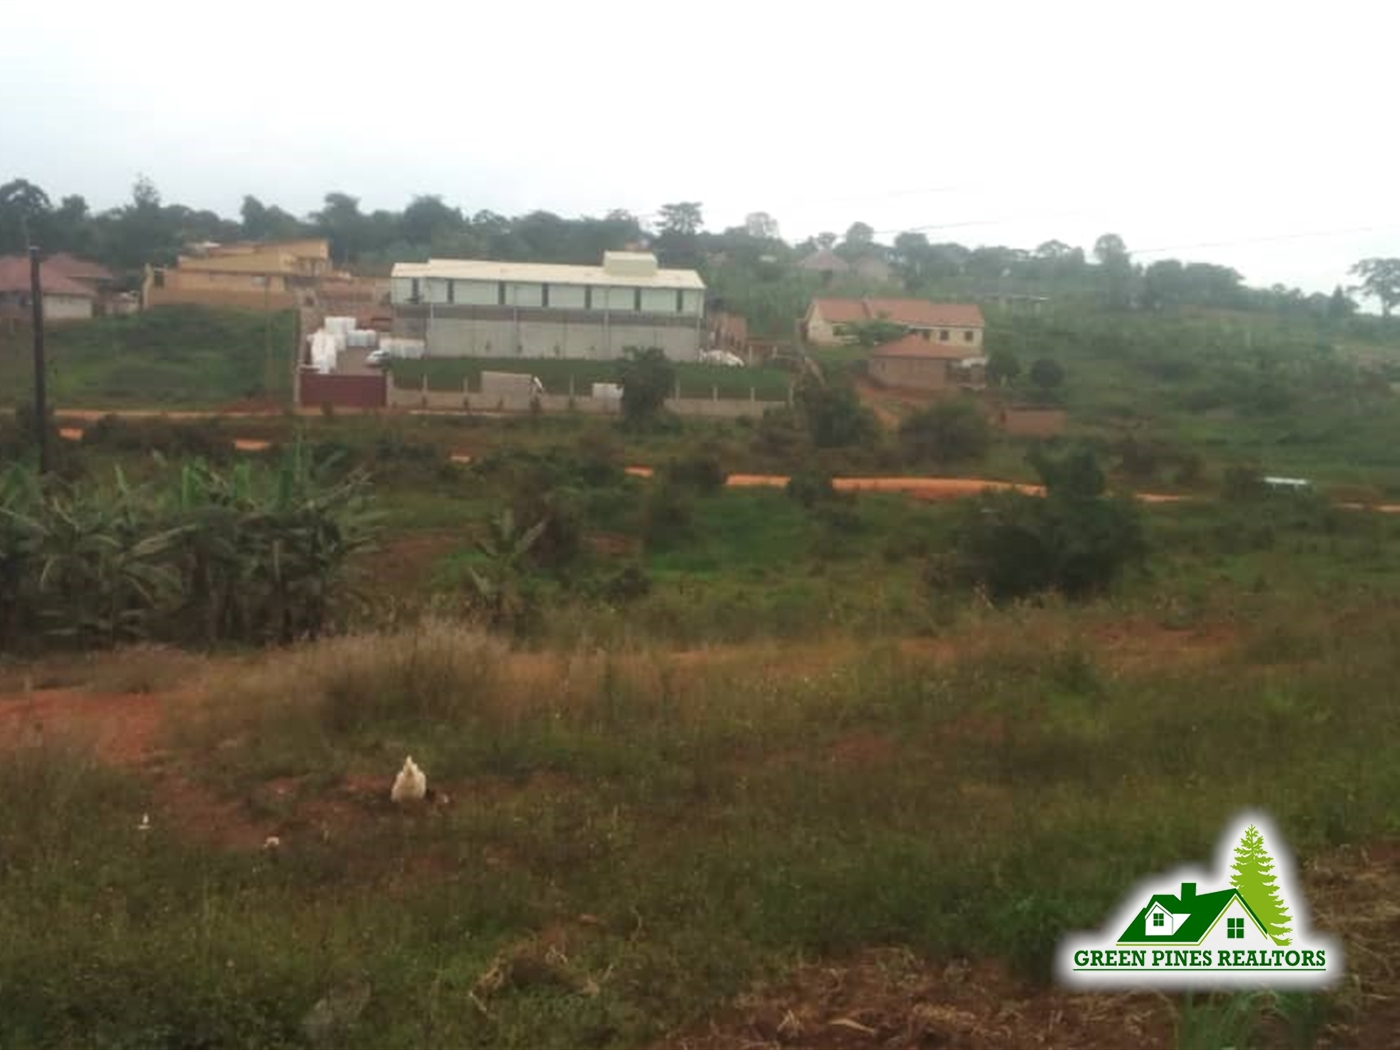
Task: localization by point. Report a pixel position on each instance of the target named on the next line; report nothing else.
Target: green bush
(1073, 540)
(810, 488)
(950, 431)
(667, 516)
(700, 472)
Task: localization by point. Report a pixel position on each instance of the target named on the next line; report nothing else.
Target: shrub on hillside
(667, 516)
(1242, 483)
(1074, 539)
(177, 439)
(833, 415)
(647, 379)
(701, 472)
(810, 488)
(949, 431)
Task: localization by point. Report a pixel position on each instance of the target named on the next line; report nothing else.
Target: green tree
(860, 235)
(858, 242)
(761, 225)
(1253, 875)
(1047, 374)
(678, 239)
(1116, 267)
(871, 334)
(1380, 280)
(683, 218)
(1339, 304)
(1073, 540)
(833, 414)
(826, 240)
(950, 431)
(427, 220)
(24, 214)
(341, 220)
(1003, 367)
(647, 379)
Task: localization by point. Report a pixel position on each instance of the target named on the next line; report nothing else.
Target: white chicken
(410, 785)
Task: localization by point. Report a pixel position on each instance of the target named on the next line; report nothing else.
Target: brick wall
(342, 391)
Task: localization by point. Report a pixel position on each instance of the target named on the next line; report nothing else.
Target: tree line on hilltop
(750, 265)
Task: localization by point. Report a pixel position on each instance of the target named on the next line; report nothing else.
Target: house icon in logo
(1222, 919)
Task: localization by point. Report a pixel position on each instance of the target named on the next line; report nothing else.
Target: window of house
(413, 291)
(1158, 919)
(588, 297)
(451, 291)
(968, 336)
(544, 295)
(680, 301)
(500, 293)
(1234, 929)
(926, 334)
(943, 335)
(637, 300)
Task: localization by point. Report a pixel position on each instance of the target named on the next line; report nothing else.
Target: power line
(1266, 238)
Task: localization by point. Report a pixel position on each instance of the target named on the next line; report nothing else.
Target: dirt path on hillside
(925, 488)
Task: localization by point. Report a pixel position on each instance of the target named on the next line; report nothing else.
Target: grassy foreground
(626, 842)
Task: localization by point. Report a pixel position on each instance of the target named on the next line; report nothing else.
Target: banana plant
(498, 591)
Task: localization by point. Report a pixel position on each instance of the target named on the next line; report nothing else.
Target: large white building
(482, 308)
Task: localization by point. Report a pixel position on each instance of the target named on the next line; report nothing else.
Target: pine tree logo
(1253, 876)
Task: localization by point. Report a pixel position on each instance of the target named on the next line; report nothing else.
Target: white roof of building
(547, 273)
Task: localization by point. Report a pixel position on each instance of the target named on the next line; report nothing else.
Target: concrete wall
(457, 401)
(1031, 422)
(66, 307)
(918, 373)
(540, 333)
(821, 331)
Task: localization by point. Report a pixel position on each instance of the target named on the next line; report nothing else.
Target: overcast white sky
(1173, 124)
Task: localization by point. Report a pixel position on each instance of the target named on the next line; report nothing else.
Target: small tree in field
(1047, 374)
(1074, 539)
(647, 379)
(950, 431)
(1002, 367)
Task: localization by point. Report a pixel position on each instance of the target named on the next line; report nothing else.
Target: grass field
(696, 380)
(624, 844)
(173, 357)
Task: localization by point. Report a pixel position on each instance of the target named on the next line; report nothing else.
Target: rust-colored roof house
(921, 361)
(959, 323)
(84, 271)
(64, 298)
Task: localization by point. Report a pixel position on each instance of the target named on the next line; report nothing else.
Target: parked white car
(722, 357)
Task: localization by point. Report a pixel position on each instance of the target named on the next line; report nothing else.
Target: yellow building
(277, 275)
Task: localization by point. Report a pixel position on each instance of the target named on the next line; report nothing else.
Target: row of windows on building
(944, 335)
(549, 296)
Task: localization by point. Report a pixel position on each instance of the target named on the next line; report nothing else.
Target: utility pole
(41, 408)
